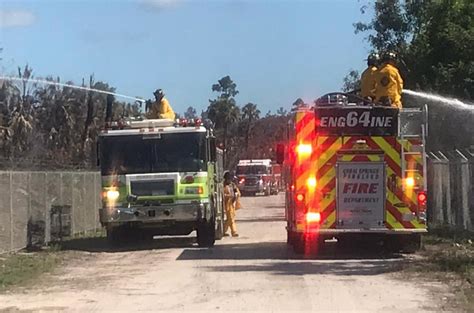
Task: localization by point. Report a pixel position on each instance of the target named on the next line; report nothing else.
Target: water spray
(47, 82)
(444, 100)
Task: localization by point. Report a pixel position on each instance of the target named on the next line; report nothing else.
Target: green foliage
(190, 113)
(281, 112)
(298, 102)
(46, 126)
(20, 268)
(434, 40)
(351, 81)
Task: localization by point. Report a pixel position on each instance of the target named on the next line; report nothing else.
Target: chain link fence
(38, 207)
(451, 189)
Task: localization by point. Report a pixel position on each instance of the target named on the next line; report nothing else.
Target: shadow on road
(280, 251)
(276, 218)
(361, 268)
(100, 244)
(331, 260)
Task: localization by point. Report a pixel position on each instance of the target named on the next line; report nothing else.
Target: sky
(275, 51)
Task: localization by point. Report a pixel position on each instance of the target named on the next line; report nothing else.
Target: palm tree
(250, 114)
(223, 110)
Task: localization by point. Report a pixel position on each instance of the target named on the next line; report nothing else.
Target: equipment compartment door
(360, 195)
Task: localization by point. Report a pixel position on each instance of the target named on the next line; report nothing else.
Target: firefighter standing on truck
(161, 107)
(231, 203)
(389, 86)
(367, 80)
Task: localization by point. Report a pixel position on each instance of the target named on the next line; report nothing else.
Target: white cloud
(160, 4)
(16, 18)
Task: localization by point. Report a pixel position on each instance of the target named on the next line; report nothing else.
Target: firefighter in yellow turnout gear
(389, 82)
(161, 108)
(231, 203)
(367, 79)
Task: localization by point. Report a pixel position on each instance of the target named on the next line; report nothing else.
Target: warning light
(313, 217)
(422, 199)
(111, 195)
(410, 182)
(299, 197)
(304, 149)
(311, 182)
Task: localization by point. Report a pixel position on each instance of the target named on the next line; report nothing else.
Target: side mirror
(280, 153)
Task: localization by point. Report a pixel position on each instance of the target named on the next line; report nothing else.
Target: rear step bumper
(362, 231)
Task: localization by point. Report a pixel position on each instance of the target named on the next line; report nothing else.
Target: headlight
(409, 182)
(112, 195)
(195, 190)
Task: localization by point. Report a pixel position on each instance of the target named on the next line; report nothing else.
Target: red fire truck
(355, 170)
(256, 176)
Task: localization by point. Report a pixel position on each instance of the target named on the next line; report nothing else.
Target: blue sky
(276, 51)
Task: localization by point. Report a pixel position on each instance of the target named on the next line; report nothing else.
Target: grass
(18, 269)
(448, 255)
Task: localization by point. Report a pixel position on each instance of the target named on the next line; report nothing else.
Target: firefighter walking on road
(161, 108)
(367, 79)
(389, 83)
(231, 203)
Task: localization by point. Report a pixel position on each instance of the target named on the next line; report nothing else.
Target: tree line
(434, 41)
(56, 127)
(47, 126)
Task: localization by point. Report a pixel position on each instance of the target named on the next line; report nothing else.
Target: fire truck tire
(114, 235)
(411, 243)
(290, 237)
(299, 244)
(206, 234)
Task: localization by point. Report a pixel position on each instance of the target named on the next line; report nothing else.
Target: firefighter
(231, 200)
(389, 83)
(161, 107)
(367, 80)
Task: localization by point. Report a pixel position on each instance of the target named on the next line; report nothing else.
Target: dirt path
(255, 272)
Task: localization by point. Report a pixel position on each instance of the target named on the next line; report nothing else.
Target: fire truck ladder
(419, 133)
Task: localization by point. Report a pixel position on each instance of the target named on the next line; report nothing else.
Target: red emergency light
(422, 199)
(313, 217)
(304, 149)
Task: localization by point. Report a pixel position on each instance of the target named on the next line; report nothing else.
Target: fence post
(465, 186)
(11, 212)
(438, 193)
(446, 177)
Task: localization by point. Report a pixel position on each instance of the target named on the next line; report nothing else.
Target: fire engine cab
(355, 170)
(256, 176)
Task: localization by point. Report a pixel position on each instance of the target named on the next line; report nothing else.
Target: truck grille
(251, 181)
(152, 188)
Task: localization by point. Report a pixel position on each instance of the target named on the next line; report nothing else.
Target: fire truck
(355, 171)
(153, 184)
(256, 176)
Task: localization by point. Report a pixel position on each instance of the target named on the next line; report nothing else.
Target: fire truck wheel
(299, 245)
(411, 243)
(290, 237)
(206, 234)
(114, 235)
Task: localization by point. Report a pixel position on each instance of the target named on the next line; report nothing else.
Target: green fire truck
(161, 177)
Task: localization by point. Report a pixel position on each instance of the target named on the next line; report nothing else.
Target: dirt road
(255, 272)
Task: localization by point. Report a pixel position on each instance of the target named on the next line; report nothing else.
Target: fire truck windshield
(184, 152)
(252, 169)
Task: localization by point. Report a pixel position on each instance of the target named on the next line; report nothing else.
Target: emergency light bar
(155, 123)
(266, 162)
